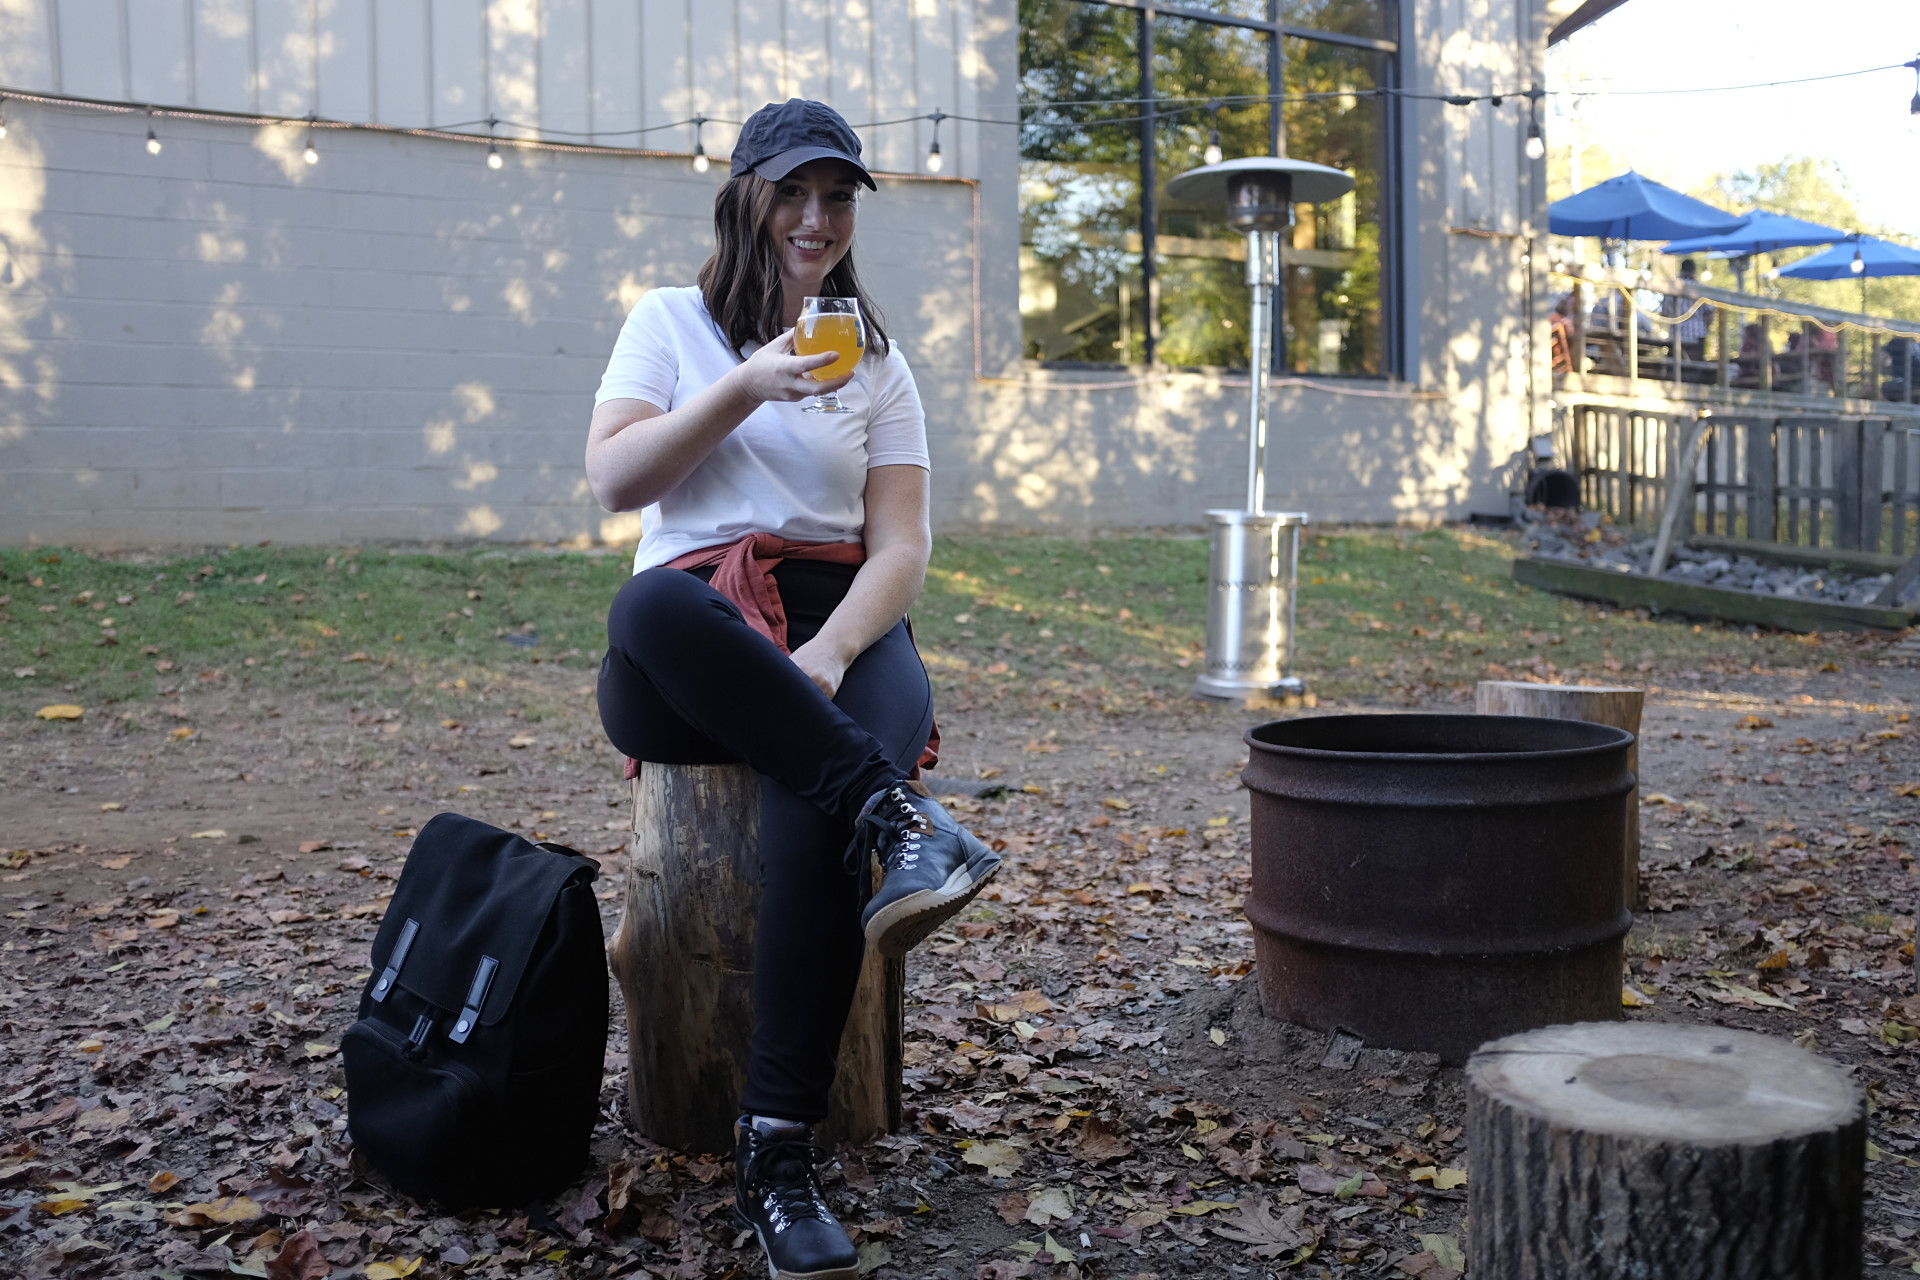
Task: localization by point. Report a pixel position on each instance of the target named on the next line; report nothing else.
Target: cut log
(1604, 704)
(683, 956)
(1609, 1151)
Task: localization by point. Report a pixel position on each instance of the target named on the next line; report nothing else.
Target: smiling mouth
(798, 243)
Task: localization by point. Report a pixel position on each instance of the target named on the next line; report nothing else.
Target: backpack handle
(391, 974)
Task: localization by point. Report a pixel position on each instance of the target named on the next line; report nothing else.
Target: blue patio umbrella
(1760, 231)
(1632, 207)
(1873, 256)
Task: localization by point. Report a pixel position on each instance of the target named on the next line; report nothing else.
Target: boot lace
(894, 828)
(782, 1171)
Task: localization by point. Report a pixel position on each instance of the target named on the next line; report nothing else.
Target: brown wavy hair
(741, 281)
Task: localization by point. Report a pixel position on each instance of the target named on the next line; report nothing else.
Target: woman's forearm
(635, 453)
(882, 592)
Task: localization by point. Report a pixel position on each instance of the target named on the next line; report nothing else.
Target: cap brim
(777, 167)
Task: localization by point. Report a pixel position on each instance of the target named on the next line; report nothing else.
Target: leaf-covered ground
(1092, 1087)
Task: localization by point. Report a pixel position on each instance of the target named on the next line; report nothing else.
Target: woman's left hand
(821, 665)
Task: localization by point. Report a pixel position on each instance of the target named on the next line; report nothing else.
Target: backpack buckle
(476, 997)
(391, 973)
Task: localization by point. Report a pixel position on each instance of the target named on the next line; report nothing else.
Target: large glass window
(1108, 277)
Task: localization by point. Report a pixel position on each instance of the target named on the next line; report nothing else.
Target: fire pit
(1434, 882)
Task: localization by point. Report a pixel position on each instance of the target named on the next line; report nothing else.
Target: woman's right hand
(774, 372)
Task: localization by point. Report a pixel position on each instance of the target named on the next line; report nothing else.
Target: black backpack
(473, 1075)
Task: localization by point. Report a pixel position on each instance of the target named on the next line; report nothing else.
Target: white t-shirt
(800, 475)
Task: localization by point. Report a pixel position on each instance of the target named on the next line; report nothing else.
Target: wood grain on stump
(1600, 704)
(1662, 1151)
(683, 956)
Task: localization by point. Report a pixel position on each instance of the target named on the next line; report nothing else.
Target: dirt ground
(1092, 1088)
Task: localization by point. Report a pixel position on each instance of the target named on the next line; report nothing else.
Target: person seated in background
(1610, 311)
(1690, 333)
(1800, 357)
(1900, 358)
(1561, 325)
(1746, 366)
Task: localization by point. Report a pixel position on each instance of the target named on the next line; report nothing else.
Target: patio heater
(1254, 554)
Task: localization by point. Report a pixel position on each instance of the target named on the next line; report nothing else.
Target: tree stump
(1662, 1151)
(683, 956)
(1608, 705)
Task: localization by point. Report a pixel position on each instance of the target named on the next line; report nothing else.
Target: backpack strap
(391, 973)
(476, 997)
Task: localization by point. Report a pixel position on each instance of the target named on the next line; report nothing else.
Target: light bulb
(1212, 153)
(1856, 266)
(700, 161)
(493, 155)
(934, 162)
(3, 128)
(310, 155)
(1536, 145)
(1913, 109)
(153, 144)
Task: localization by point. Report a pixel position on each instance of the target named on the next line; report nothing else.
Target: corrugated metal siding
(598, 70)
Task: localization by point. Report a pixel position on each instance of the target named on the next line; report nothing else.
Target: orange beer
(840, 334)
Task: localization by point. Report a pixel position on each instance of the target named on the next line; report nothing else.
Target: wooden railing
(1844, 482)
(1698, 339)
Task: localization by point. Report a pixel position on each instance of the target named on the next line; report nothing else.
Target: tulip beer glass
(830, 324)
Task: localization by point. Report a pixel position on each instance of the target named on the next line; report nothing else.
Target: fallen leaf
(1316, 1181)
(1216, 1035)
(211, 833)
(60, 711)
(116, 864)
(317, 1050)
(399, 1267)
(871, 1256)
(160, 1182)
(161, 1023)
(1265, 1235)
(180, 734)
(1101, 1141)
(225, 1211)
(163, 919)
(315, 846)
(1445, 1249)
(522, 740)
(998, 1159)
(1012, 1208)
(1053, 1204)
(1195, 1208)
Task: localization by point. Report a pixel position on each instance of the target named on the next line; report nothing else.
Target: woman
(765, 623)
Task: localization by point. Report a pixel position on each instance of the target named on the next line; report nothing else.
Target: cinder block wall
(223, 343)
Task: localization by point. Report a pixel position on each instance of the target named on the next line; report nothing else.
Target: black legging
(687, 681)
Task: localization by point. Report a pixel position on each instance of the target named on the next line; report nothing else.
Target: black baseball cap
(780, 137)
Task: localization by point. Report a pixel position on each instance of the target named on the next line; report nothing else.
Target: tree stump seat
(1611, 705)
(1662, 1151)
(683, 956)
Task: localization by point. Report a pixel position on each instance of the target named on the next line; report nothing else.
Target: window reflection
(1082, 278)
(1333, 277)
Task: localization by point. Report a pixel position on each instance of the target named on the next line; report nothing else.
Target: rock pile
(1587, 540)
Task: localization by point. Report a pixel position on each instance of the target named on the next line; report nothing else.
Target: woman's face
(812, 221)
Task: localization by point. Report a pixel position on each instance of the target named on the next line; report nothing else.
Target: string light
(934, 162)
(1857, 266)
(153, 142)
(311, 155)
(1213, 153)
(3, 117)
(493, 148)
(700, 161)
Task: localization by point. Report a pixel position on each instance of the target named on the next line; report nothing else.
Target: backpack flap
(465, 916)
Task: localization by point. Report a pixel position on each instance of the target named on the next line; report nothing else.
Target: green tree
(1814, 189)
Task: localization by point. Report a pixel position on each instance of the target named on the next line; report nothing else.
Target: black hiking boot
(933, 867)
(776, 1195)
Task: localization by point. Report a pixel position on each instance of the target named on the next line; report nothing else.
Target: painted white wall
(585, 70)
(222, 343)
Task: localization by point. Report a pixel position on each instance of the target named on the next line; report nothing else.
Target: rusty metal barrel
(1432, 882)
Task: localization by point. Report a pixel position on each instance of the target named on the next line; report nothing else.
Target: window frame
(1394, 305)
